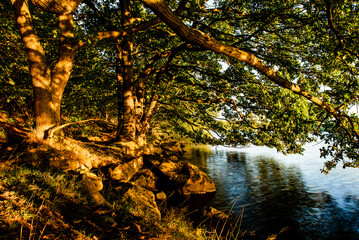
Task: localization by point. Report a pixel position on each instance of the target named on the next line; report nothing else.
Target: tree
(48, 83)
(285, 23)
(271, 73)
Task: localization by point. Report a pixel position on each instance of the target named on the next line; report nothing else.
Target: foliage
(15, 83)
(91, 91)
(212, 98)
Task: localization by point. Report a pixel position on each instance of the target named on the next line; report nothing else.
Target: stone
(97, 181)
(169, 168)
(140, 202)
(215, 213)
(193, 181)
(174, 158)
(125, 171)
(132, 149)
(145, 178)
(45, 157)
(63, 163)
(185, 177)
(148, 149)
(172, 147)
(93, 195)
(161, 196)
(157, 151)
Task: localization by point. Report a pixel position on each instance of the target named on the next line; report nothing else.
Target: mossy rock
(140, 202)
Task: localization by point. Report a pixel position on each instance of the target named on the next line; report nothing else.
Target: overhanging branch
(162, 10)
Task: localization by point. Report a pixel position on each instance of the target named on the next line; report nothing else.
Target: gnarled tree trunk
(48, 85)
(134, 122)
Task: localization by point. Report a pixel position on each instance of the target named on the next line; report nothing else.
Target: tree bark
(128, 131)
(119, 86)
(63, 68)
(57, 6)
(48, 85)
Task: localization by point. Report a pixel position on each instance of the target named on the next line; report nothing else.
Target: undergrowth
(47, 204)
(41, 203)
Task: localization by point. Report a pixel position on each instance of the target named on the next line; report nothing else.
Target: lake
(278, 192)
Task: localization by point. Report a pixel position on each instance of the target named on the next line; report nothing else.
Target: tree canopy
(274, 73)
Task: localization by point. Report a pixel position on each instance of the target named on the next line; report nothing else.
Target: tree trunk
(128, 131)
(63, 68)
(48, 85)
(57, 6)
(119, 86)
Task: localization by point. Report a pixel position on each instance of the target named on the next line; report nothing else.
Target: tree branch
(54, 129)
(138, 28)
(218, 100)
(197, 37)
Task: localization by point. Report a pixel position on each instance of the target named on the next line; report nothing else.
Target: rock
(169, 168)
(174, 158)
(125, 171)
(193, 181)
(161, 196)
(63, 163)
(45, 157)
(145, 178)
(156, 151)
(97, 181)
(148, 149)
(132, 149)
(93, 194)
(140, 201)
(186, 177)
(172, 147)
(38, 157)
(215, 213)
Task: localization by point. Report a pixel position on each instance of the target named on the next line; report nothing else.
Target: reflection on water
(280, 191)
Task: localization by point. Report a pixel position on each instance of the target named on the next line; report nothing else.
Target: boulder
(169, 168)
(186, 177)
(63, 163)
(174, 158)
(140, 202)
(97, 181)
(133, 149)
(91, 188)
(156, 151)
(45, 157)
(145, 178)
(125, 171)
(161, 196)
(193, 181)
(172, 147)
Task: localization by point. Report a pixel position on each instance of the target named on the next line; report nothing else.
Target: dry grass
(50, 204)
(31, 202)
(43, 203)
(46, 205)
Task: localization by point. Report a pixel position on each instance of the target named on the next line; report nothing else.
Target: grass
(32, 202)
(38, 204)
(176, 225)
(43, 203)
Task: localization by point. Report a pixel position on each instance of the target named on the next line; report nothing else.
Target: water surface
(282, 192)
